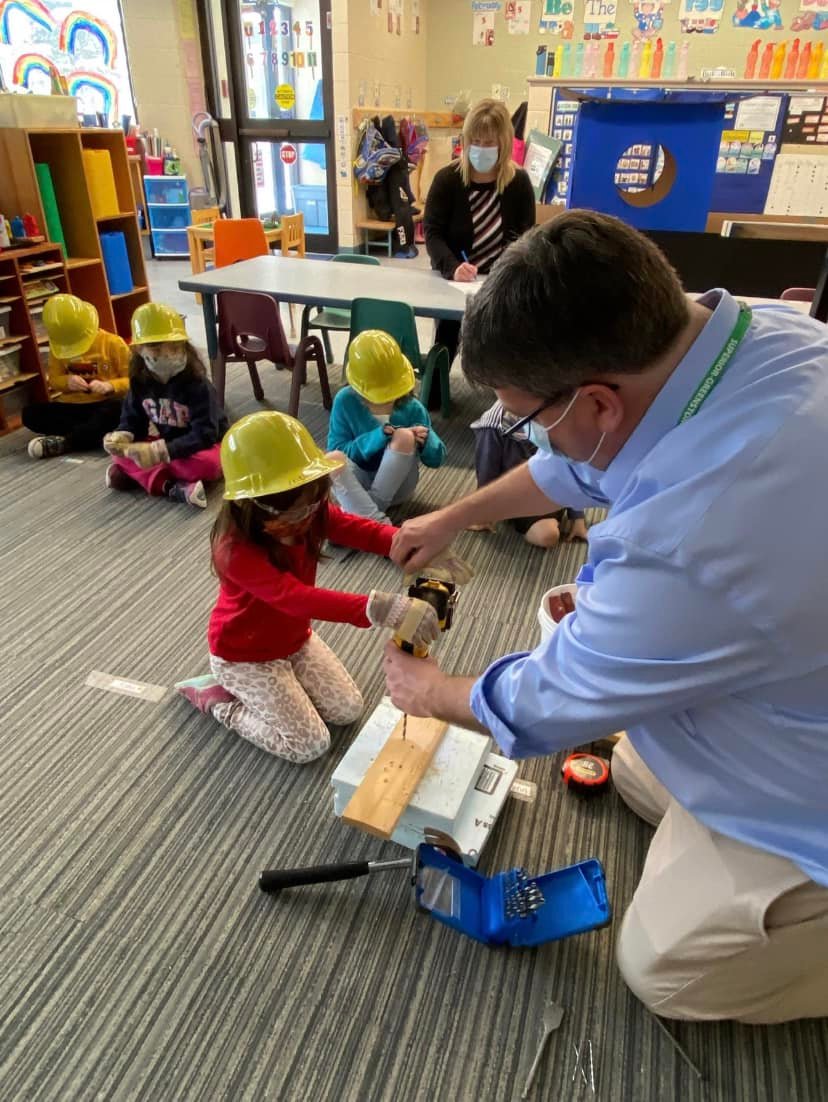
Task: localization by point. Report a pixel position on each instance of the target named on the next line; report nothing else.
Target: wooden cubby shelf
(84, 272)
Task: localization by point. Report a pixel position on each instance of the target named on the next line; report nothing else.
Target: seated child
(379, 429)
(495, 454)
(169, 435)
(89, 375)
(274, 681)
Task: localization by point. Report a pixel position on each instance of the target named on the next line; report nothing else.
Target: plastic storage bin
(166, 189)
(37, 321)
(5, 311)
(116, 262)
(170, 242)
(9, 361)
(168, 208)
(169, 216)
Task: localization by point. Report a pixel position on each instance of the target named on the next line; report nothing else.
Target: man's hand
(411, 681)
(77, 383)
(465, 273)
(421, 539)
(420, 434)
(101, 386)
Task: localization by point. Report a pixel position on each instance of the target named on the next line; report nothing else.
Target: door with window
(276, 80)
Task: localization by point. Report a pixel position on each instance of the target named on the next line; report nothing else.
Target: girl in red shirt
(273, 680)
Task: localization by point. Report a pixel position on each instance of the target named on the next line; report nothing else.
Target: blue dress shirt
(701, 624)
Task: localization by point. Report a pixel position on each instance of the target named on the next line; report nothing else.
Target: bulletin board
(807, 121)
(751, 137)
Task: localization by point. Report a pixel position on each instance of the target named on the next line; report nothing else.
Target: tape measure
(586, 774)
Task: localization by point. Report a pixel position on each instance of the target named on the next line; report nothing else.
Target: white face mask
(539, 436)
(483, 158)
(164, 366)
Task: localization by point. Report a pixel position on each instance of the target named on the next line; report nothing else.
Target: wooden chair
(250, 330)
(202, 217)
(292, 243)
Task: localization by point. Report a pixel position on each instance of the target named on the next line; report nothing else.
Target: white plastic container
(5, 311)
(547, 624)
(17, 109)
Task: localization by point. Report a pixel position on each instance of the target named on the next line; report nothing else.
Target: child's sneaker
(204, 692)
(117, 479)
(44, 447)
(188, 493)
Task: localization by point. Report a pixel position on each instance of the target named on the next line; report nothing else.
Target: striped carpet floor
(138, 959)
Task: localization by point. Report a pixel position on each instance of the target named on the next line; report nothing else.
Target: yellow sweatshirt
(107, 360)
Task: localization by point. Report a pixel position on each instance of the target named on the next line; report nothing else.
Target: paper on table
(468, 288)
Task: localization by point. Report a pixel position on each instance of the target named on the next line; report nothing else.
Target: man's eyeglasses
(524, 421)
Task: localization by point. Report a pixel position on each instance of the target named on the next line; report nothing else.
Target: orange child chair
(238, 239)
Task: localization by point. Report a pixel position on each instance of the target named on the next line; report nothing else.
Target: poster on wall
(415, 16)
(518, 16)
(483, 28)
(557, 17)
(758, 15)
(39, 42)
(649, 18)
(600, 19)
(812, 16)
(700, 16)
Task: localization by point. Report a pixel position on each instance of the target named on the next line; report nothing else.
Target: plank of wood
(392, 779)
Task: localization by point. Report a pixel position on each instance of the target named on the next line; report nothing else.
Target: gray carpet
(138, 959)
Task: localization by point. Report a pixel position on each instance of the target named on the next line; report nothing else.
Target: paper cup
(547, 624)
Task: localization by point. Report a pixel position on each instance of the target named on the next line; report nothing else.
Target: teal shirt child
(354, 430)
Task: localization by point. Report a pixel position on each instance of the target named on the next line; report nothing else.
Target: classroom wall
(384, 69)
(454, 63)
(165, 63)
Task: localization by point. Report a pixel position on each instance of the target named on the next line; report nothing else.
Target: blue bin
(116, 262)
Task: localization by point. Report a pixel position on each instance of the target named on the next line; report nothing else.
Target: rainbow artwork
(27, 64)
(79, 21)
(36, 11)
(79, 82)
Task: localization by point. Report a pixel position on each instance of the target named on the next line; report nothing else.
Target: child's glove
(147, 454)
(115, 442)
(415, 620)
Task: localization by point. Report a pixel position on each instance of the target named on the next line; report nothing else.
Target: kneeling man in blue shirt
(700, 627)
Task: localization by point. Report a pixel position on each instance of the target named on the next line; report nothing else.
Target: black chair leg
(326, 340)
(219, 372)
(297, 375)
(258, 392)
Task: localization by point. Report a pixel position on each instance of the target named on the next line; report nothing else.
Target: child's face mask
(164, 365)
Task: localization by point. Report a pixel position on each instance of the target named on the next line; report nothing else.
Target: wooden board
(390, 782)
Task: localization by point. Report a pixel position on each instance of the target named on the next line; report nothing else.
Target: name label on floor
(125, 686)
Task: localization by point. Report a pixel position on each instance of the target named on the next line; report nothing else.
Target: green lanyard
(719, 365)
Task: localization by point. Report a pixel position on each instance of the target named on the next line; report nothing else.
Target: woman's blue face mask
(483, 158)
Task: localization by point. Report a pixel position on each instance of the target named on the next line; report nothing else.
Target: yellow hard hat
(154, 322)
(268, 453)
(71, 324)
(377, 369)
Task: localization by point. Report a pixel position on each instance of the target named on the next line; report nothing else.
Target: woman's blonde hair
(489, 121)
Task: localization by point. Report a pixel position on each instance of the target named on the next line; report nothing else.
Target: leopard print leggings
(283, 706)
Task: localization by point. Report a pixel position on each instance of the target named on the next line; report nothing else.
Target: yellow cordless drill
(442, 596)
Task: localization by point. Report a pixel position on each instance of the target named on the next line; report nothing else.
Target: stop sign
(288, 154)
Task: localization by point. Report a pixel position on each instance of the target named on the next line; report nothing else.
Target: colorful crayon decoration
(658, 59)
(792, 61)
(557, 67)
(766, 61)
(566, 64)
(804, 62)
(609, 60)
(778, 62)
(579, 59)
(684, 61)
(752, 60)
(646, 60)
(823, 69)
(635, 58)
(669, 70)
(624, 61)
(815, 65)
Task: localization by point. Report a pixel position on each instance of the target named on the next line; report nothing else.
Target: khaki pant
(716, 928)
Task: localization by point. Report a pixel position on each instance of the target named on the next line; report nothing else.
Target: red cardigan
(263, 613)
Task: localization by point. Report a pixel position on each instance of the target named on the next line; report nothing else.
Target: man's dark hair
(581, 295)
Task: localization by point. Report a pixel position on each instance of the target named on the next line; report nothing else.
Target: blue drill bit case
(497, 910)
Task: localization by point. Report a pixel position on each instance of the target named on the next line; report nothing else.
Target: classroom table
(320, 283)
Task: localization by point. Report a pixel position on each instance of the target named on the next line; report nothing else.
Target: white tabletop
(320, 282)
